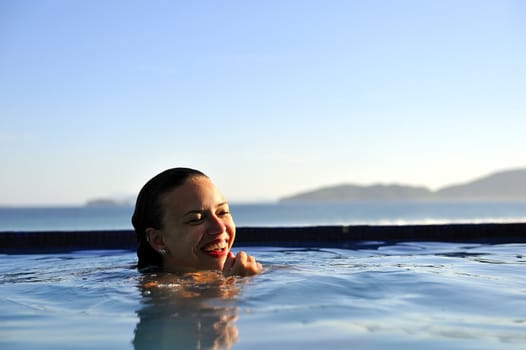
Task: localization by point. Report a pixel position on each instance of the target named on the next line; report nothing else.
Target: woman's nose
(216, 225)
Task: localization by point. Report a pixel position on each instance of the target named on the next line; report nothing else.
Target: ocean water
(276, 214)
(402, 296)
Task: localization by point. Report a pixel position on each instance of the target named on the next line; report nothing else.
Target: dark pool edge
(337, 236)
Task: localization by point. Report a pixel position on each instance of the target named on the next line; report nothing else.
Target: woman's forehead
(196, 191)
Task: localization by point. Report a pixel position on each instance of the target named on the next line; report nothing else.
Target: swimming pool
(403, 294)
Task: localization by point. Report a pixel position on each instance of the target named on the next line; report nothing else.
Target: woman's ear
(155, 238)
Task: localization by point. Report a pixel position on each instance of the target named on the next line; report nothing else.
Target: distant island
(504, 185)
(108, 202)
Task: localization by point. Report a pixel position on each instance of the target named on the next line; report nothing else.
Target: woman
(183, 224)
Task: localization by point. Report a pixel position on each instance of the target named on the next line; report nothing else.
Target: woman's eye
(195, 220)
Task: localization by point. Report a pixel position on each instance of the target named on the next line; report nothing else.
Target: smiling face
(197, 228)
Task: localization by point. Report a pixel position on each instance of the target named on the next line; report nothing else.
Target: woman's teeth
(215, 246)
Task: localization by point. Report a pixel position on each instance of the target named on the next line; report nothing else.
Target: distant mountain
(502, 185)
(505, 185)
(351, 192)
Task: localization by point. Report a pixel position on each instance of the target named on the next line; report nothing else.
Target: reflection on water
(190, 311)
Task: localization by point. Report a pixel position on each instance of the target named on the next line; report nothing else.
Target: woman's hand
(241, 265)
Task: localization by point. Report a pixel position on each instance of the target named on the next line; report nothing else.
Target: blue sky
(267, 97)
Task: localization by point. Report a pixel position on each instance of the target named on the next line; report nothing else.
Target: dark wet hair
(149, 212)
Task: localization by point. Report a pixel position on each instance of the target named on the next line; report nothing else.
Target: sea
(277, 214)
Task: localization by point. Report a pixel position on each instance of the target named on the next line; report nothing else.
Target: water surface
(409, 295)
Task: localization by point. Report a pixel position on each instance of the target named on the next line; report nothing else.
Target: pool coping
(337, 236)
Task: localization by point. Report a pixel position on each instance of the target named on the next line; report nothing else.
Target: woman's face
(197, 228)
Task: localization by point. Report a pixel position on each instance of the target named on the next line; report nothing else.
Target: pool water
(396, 296)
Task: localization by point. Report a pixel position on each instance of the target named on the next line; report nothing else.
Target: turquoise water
(275, 214)
(410, 295)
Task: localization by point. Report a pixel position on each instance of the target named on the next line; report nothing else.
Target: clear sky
(268, 98)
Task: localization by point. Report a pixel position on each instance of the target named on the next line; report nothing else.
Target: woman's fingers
(229, 263)
(242, 265)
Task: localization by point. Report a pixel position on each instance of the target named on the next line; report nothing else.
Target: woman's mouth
(216, 249)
